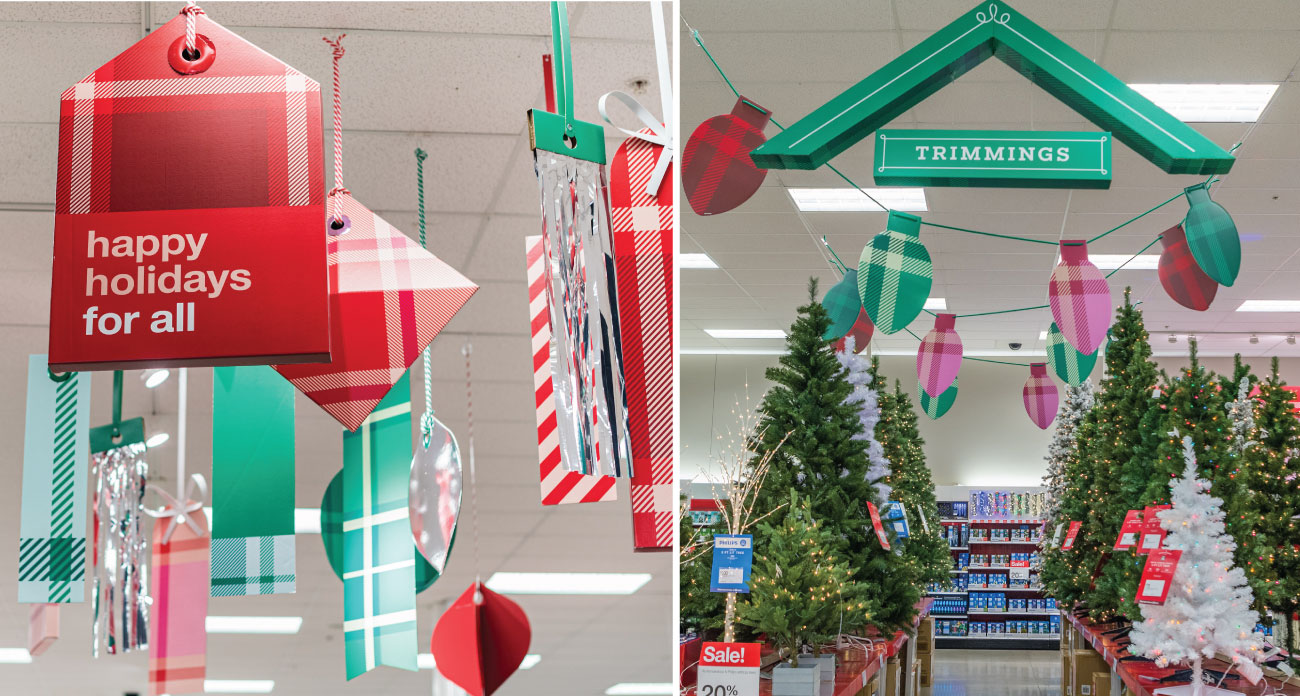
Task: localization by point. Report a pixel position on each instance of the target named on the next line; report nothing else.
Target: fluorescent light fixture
(156, 440)
(305, 520)
(567, 583)
(238, 686)
(641, 689)
(530, 661)
(1042, 335)
(823, 200)
(745, 333)
(732, 351)
(15, 656)
(939, 303)
(427, 661)
(1142, 262)
(1210, 103)
(1270, 306)
(154, 377)
(254, 624)
(695, 261)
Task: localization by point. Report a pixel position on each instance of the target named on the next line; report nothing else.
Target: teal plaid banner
(378, 550)
(1069, 364)
(52, 535)
(253, 566)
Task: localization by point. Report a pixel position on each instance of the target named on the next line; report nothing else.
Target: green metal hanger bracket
(560, 132)
(119, 433)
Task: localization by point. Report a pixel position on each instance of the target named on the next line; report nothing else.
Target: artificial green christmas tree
(925, 550)
(701, 610)
(1078, 402)
(823, 459)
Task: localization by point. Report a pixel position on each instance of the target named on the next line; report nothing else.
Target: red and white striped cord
(191, 11)
(338, 189)
(466, 350)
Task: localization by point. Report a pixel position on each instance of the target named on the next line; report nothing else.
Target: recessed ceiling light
(1142, 262)
(238, 686)
(427, 661)
(939, 303)
(695, 261)
(1290, 340)
(822, 200)
(1209, 103)
(1254, 339)
(1270, 306)
(254, 624)
(15, 656)
(641, 689)
(567, 583)
(305, 520)
(1173, 338)
(154, 377)
(1042, 335)
(156, 440)
(745, 333)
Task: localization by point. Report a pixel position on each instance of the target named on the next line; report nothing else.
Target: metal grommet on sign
(186, 64)
(335, 228)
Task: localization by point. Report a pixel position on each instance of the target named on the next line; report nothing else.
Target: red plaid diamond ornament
(1080, 298)
(389, 298)
(938, 360)
(1040, 395)
(1180, 275)
(717, 173)
(861, 333)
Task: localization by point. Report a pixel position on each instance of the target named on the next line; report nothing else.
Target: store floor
(996, 673)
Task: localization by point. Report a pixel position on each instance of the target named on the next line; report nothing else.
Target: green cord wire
(1122, 265)
(987, 360)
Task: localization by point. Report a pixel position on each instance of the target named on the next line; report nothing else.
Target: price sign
(1152, 534)
(733, 555)
(1019, 570)
(1070, 535)
(1153, 587)
(880, 527)
(1129, 531)
(728, 669)
(1056, 538)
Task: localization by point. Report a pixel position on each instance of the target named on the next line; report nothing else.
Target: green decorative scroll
(895, 274)
(936, 407)
(1008, 159)
(1069, 364)
(993, 29)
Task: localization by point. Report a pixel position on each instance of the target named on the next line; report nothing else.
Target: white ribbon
(178, 513)
(661, 131)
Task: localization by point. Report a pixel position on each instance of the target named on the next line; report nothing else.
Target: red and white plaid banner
(938, 360)
(1080, 298)
(389, 298)
(1040, 395)
(178, 640)
(643, 262)
(559, 486)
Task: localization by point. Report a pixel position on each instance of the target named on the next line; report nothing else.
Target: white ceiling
(455, 79)
(792, 57)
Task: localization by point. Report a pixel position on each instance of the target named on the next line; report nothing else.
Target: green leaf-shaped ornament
(1212, 236)
(935, 407)
(843, 304)
(1069, 364)
(895, 274)
(331, 534)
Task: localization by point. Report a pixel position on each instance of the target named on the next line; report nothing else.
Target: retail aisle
(996, 673)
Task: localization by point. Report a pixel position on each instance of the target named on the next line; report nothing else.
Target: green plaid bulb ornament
(331, 535)
(842, 304)
(936, 406)
(1212, 236)
(895, 274)
(1069, 364)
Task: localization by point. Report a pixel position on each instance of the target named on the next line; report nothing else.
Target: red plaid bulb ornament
(1180, 275)
(861, 333)
(1040, 395)
(1080, 298)
(717, 173)
(938, 360)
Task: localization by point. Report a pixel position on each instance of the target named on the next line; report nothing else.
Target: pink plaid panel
(938, 360)
(1080, 298)
(1040, 395)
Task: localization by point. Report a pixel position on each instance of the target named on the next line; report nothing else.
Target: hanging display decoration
(1071, 366)
(1180, 275)
(558, 484)
(861, 333)
(388, 299)
(52, 527)
(178, 644)
(152, 267)
(843, 305)
(435, 493)
(42, 628)
(717, 172)
(936, 407)
(895, 274)
(331, 530)
(1040, 396)
(938, 360)
(120, 589)
(586, 352)
(1080, 298)
(1212, 236)
(480, 640)
(253, 549)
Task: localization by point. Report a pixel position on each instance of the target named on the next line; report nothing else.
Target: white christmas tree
(1078, 401)
(1208, 607)
(859, 368)
(1241, 414)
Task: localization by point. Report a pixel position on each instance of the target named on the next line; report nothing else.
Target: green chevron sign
(993, 29)
(1013, 159)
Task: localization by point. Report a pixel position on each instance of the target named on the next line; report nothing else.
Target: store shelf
(1005, 521)
(959, 571)
(1032, 569)
(1005, 636)
(941, 592)
(949, 616)
(1045, 612)
(954, 520)
(959, 548)
(1011, 543)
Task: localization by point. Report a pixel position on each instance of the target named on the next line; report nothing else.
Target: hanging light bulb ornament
(1079, 297)
(843, 305)
(1071, 366)
(895, 273)
(938, 360)
(1180, 274)
(717, 173)
(861, 333)
(1040, 395)
(936, 407)
(1212, 236)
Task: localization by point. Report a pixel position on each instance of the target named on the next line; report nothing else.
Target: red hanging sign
(1153, 536)
(1157, 576)
(880, 528)
(1129, 531)
(188, 224)
(1070, 535)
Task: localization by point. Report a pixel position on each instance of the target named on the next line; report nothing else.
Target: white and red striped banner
(558, 485)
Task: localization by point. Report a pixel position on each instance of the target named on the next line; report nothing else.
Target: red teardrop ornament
(478, 646)
(1180, 275)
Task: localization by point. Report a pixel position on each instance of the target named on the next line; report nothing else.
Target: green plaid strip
(1069, 364)
(253, 566)
(894, 278)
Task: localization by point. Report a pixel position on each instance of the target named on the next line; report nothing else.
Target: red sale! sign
(1129, 531)
(1070, 535)
(728, 669)
(1152, 534)
(880, 528)
(730, 655)
(1157, 576)
(189, 210)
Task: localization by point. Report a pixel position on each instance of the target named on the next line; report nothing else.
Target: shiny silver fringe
(120, 597)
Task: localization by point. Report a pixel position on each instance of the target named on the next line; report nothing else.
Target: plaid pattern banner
(178, 640)
(52, 533)
(938, 359)
(717, 173)
(1212, 236)
(936, 407)
(1040, 395)
(253, 549)
(843, 305)
(1080, 298)
(378, 550)
(1071, 366)
(1180, 275)
(860, 333)
(895, 274)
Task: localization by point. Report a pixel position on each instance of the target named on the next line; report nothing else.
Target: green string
(843, 268)
(987, 360)
(1122, 265)
(991, 234)
(426, 421)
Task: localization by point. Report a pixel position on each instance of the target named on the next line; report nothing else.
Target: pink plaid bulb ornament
(1040, 395)
(1080, 298)
(938, 360)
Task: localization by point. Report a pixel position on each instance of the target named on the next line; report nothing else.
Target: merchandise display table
(1132, 674)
